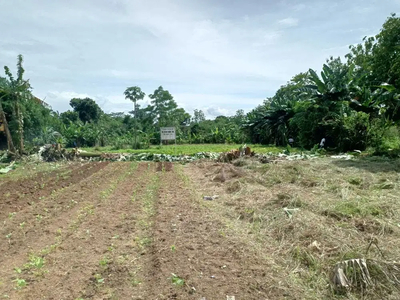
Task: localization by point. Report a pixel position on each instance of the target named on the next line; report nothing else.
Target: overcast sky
(215, 55)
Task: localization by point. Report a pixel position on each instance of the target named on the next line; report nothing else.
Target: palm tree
(134, 94)
(273, 119)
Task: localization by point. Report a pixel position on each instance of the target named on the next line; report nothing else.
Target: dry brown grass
(334, 209)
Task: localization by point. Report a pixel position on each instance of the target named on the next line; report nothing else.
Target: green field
(190, 149)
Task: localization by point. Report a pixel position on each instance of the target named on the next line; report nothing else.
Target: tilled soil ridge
(124, 231)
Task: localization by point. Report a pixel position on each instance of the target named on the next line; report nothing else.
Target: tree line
(352, 103)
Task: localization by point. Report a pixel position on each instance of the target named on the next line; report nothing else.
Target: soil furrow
(20, 194)
(100, 244)
(192, 256)
(46, 235)
(40, 213)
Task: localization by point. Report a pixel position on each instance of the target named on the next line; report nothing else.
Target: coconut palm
(134, 94)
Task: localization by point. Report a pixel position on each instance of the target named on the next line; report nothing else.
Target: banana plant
(48, 135)
(3, 119)
(382, 100)
(331, 88)
(17, 91)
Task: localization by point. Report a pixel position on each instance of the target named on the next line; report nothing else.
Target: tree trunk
(10, 143)
(20, 119)
(135, 116)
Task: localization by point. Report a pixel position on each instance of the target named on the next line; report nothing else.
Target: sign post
(168, 134)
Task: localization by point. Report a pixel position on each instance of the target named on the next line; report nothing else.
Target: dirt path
(123, 231)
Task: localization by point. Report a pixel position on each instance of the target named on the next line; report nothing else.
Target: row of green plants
(353, 104)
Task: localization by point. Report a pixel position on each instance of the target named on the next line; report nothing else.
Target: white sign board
(167, 133)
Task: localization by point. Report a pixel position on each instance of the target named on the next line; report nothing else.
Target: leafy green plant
(21, 283)
(176, 280)
(103, 262)
(8, 237)
(135, 282)
(36, 262)
(99, 278)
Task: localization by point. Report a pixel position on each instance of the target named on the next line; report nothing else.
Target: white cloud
(289, 22)
(214, 111)
(208, 54)
(110, 103)
(61, 99)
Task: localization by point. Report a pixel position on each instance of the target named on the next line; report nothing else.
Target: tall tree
(163, 104)
(239, 117)
(134, 94)
(87, 109)
(377, 59)
(386, 56)
(69, 116)
(198, 116)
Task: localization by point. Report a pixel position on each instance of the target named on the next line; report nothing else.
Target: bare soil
(144, 231)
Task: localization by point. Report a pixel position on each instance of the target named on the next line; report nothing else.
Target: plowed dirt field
(119, 231)
(138, 230)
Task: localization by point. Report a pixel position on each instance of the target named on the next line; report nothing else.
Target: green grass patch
(358, 208)
(190, 149)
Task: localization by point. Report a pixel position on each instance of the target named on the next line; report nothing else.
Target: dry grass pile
(220, 172)
(235, 154)
(366, 276)
(331, 226)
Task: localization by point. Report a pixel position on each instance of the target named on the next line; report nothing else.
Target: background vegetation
(354, 104)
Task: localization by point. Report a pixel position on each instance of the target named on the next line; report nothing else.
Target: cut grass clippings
(342, 214)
